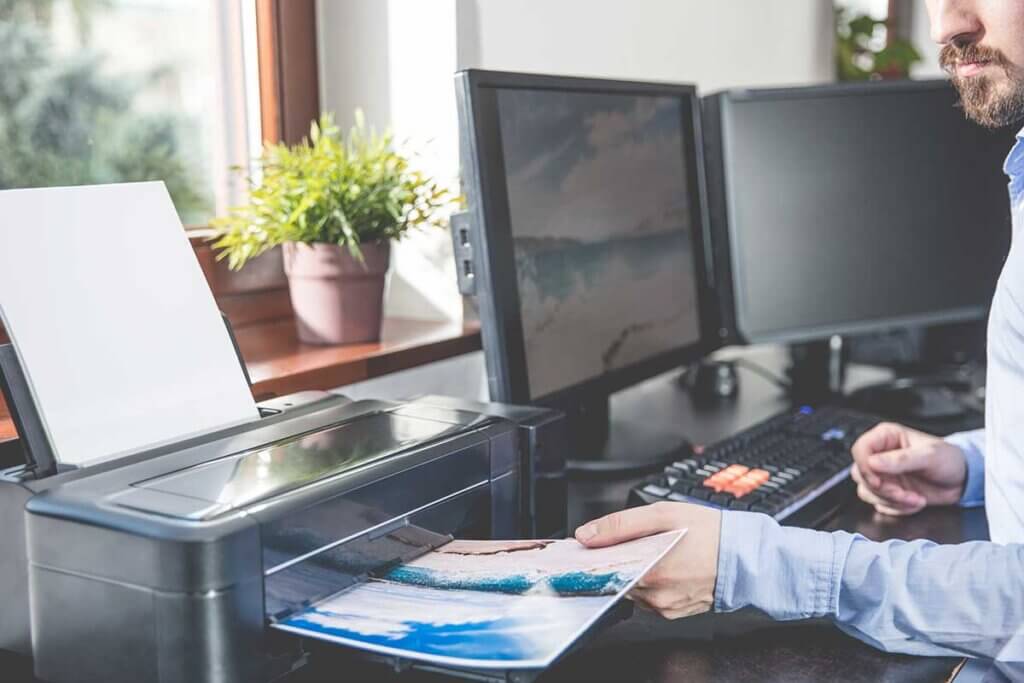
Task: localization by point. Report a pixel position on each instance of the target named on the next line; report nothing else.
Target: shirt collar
(1014, 168)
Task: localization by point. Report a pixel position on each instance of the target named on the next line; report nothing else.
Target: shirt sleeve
(973, 446)
(911, 597)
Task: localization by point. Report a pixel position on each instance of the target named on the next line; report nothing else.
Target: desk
(741, 647)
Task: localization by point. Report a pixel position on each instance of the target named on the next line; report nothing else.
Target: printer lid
(255, 475)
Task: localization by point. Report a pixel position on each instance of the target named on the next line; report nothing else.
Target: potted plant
(334, 203)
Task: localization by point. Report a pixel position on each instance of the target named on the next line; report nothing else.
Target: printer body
(173, 564)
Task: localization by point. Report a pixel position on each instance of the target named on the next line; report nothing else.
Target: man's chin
(993, 102)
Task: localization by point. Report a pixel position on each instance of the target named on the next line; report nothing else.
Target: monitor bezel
(723, 231)
(486, 192)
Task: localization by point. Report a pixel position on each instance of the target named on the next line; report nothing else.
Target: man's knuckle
(660, 601)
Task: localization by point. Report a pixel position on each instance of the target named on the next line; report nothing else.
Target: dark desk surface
(741, 647)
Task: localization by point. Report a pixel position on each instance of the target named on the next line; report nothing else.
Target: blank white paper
(113, 322)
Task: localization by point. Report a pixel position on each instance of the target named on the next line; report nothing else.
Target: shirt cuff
(970, 443)
(786, 572)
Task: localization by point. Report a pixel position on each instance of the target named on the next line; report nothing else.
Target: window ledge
(279, 364)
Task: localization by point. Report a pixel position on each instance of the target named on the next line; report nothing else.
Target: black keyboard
(779, 467)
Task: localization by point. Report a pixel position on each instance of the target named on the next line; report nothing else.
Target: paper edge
(33, 393)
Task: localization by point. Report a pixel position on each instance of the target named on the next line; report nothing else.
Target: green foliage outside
(64, 122)
(344, 190)
(858, 60)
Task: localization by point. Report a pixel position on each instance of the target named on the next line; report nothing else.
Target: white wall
(921, 35)
(395, 59)
(714, 43)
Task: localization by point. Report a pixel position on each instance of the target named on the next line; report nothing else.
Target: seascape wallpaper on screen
(601, 226)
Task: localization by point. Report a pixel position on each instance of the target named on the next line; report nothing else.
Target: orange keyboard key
(736, 479)
(761, 475)
(735, 471)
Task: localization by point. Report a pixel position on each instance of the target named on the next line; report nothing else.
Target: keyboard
(780, 467)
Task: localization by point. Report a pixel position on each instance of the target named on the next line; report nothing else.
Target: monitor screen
(601, 215)
(851, 210)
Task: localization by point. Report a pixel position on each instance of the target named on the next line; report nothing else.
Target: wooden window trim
(288, 68)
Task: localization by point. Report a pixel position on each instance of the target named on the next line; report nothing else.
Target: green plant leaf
(332, 189)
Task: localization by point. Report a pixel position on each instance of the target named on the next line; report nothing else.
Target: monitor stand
(617, 446)
(817, 370)
(817, 374)
(921, 396)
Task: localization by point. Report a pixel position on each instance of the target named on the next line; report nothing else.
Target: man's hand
(899, 470)
(683, 583)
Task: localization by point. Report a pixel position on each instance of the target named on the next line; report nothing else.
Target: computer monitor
(855, 208)
(586, 220)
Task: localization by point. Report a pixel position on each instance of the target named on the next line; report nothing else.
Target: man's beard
(982, 99)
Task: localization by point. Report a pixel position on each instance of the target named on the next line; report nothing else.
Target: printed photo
(560, 567)
(484, 604)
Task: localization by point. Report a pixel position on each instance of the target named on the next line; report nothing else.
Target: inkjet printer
(169, 565)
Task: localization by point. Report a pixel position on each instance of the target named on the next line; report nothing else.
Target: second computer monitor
(586, 196)
(846, 209)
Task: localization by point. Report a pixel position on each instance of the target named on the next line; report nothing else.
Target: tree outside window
(100, 91)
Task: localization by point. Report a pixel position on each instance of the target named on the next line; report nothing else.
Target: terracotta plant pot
(337, 299)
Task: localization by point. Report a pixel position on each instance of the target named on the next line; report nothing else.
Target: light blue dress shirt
(915, 597)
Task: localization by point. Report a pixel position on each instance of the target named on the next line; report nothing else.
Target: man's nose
(955, 21)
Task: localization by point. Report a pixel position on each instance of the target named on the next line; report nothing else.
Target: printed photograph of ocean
(563, 568)
(484, 604)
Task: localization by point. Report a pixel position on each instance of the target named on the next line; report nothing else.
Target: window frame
(286, 37)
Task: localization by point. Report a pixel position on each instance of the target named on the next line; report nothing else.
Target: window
(95, 91)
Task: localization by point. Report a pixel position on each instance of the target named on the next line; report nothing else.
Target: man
(913, 597)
